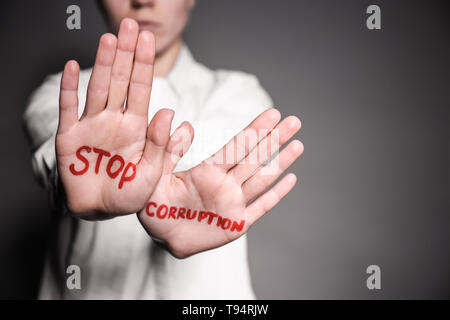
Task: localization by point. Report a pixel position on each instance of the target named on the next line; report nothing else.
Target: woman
(110, 162)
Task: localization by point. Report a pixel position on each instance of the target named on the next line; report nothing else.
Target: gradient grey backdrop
(373, 181)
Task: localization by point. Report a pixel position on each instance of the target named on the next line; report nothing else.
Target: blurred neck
(165, 60)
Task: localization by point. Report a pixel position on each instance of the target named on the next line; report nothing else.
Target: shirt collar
(182, 76)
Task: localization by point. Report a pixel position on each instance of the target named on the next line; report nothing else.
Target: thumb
(178, 145)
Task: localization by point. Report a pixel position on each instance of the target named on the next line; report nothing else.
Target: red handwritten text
(114, 166)
(163, 211)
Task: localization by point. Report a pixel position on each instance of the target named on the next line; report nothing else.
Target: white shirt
(117, 259)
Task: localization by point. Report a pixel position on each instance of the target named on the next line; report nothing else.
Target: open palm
(218, 200)
(110, 159)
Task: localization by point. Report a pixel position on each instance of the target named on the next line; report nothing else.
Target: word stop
(114, 167)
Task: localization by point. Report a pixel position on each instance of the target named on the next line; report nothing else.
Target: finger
(268, 174)
(97, 93)
(270, 199)
(68, 96)
(266, 148)
(179, 144)
(142, 75)
(239, 146)
(123, 63)
(158, 134)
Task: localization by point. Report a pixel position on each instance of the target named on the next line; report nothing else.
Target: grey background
(373, 181)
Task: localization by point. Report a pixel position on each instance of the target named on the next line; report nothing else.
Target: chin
(162, 45)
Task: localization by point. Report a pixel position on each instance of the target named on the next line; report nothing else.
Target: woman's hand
(210, 205)
(110, 159)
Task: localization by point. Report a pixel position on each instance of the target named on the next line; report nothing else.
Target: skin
(166, 19)
(124, 68)
(148, 53)
(225, 189)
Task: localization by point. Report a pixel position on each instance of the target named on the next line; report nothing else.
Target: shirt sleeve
(40, 123)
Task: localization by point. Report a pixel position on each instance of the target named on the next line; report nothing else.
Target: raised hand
(217, 201)
(110, 159)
